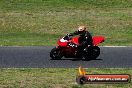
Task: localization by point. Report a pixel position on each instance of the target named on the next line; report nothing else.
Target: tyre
(56, 54)
(95, 52)
(91, 53)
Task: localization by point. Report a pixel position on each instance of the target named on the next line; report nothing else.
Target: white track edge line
(115, 46)
(48, 46)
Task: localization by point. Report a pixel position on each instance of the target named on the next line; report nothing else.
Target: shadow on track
(78, 59)
(90, 59)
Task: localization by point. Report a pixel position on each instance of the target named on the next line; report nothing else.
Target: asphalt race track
(110, 57)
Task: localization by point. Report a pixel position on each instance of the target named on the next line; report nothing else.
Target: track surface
(110, 57)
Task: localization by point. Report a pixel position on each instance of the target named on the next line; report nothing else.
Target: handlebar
(67, 37)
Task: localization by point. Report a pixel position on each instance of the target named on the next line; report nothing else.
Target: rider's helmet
(81, 29)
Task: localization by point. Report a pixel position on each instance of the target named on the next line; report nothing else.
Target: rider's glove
(67, 34)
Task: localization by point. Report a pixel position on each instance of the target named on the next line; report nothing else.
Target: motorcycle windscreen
(97, 40)
(61, 43)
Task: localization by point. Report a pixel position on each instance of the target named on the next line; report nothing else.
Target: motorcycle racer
(83, 46)
(85, 38)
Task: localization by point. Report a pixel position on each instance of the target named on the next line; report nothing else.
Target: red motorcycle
(66, 48)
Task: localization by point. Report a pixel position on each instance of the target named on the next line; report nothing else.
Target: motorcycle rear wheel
(56, 54)
(96, 51)
(92, 53)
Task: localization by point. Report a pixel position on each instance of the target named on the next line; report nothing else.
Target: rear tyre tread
(95, 53)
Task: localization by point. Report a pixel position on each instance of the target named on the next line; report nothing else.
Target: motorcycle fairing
(97, 40)
(62, 42)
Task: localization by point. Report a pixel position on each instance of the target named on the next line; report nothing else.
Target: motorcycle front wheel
(56, 54)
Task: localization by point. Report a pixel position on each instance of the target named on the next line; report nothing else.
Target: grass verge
(28, 39)
(31, 22)
(55, 77)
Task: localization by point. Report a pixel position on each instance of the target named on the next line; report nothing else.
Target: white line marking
(115, 46)
(51, 46)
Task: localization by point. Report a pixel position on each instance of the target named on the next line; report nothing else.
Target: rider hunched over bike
(84, 46)
(85, 38)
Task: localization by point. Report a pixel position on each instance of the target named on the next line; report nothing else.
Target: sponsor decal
(84, 78)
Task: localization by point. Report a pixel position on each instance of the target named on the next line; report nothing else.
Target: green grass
(25, 39)
(42, 22)
(31, 22)
(54, 77)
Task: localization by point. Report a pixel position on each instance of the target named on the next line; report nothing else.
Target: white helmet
(81, 28)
